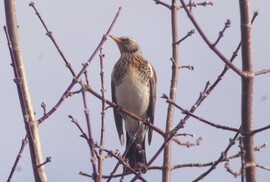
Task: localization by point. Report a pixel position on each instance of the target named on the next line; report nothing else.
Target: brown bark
(166, 172)
(247, 92)
(31, 124)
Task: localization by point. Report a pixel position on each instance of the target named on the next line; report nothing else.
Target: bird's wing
(117, 117)
(152, 103)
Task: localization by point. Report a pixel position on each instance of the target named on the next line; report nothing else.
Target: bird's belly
(133, 95)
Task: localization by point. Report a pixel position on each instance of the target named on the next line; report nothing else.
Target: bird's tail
(136, 153)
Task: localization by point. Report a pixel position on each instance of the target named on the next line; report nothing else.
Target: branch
(190, 33)
(103, 114)
(163, 4)
(220, 159)
(19, 155)
(90, 138)
(49, 34)
(221, 33)
(115, 155)
(259, 130)
(85, 66)
(264, 71)
(166, 172)
(207, 41)
(112, 104)
(31, 126)
(247, 92)
(185, 111)
(193, 4)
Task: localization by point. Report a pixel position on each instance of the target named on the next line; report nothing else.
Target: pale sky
(78, 27)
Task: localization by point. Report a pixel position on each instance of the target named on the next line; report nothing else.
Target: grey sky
(78, 27)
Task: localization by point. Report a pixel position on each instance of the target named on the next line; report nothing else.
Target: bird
(133, 87)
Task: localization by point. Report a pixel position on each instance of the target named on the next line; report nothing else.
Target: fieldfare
(133, 85)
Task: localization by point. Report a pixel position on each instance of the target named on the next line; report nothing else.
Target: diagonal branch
(207, 41)
(185, 111)
(49, 34)
(85, 66)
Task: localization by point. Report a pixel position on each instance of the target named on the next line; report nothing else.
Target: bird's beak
(116, 39)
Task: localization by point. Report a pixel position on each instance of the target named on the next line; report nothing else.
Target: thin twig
(49, 34)
(190, 33)
(85, 66)
(194, 4)
(103, 114)
(188, 67)
(187, 143)
(229, 170)
(124, 155)
(259, 148)
(185, 111)
(163, 4)
(207, 41)
(120, 109)
(220, 159)
(19, 155)
(90, 137)
(264, 71)
(113, 154)
(47, 160)
(221, 33)
(263, 167)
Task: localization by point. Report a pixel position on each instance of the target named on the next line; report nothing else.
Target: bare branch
(163, 4)
(227, 167)
(190, 33)
(264, 71)
(247, 92)
(194, 4)
(259, 148)
(48, 159)
(166, 172)
(259, 130)
(188, 67)
(220, 159)
(31, 126)
(112, 104)
(103, 114)
(207, 41)
(185, 111)
(49, 33)
(221, 33)
(19, 155)
(89, 129)
(187, 143)
(263, 167)
(85, 66)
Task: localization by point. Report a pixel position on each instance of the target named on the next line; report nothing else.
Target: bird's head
(127, 45)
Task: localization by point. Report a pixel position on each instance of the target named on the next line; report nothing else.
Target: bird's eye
(126, 41)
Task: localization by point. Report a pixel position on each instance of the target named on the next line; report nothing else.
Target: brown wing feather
(152, 103)
(117, 117)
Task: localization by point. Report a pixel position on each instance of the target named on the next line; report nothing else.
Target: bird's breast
(133, 93)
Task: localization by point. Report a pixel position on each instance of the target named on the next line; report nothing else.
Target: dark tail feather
(136, 153)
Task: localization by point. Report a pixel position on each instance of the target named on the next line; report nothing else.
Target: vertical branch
(91, 141)
(166, 172)
(103, 113)
(31, 125)
(247, 91)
